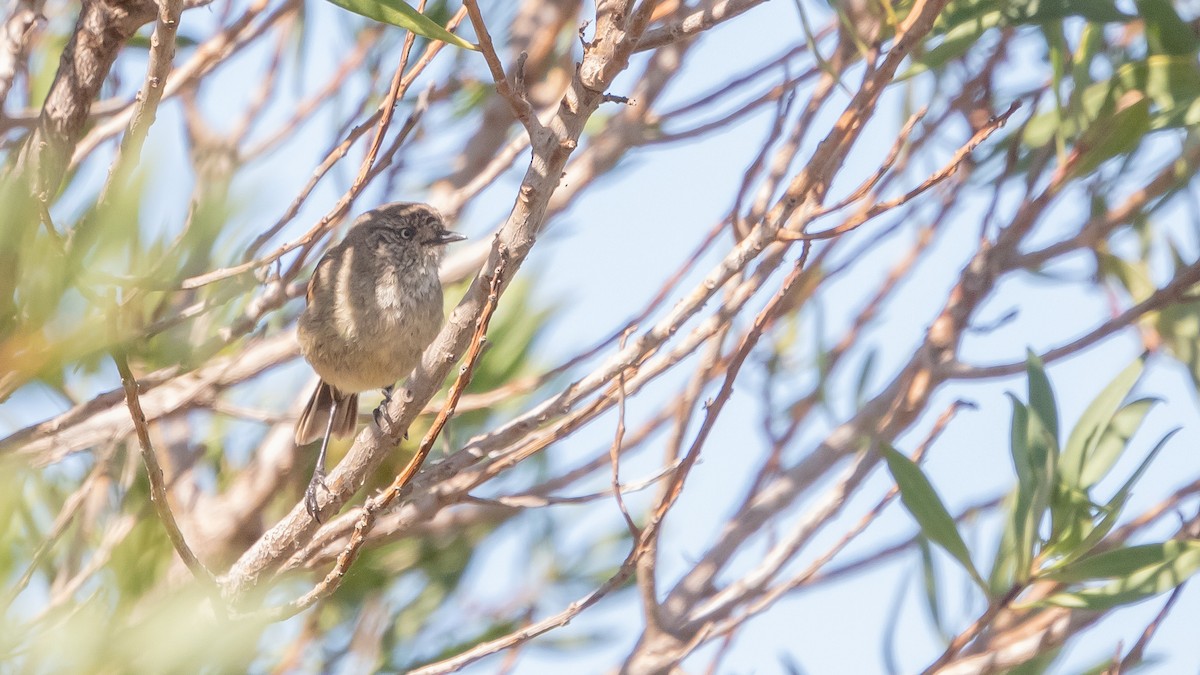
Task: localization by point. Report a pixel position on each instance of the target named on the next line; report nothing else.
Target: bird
(374, 303)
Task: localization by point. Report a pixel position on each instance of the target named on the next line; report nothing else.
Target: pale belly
(366, 353)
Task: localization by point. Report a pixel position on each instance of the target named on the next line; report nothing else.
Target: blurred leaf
(1166, 32)
(399, 13)
(1035, 458)
(1099, 11)
(1003, 574)
(954, 43)
(1112, 510)
(1133, 276)
(1114, 440)
(1033, 11)
(1123, 562)
(1023, 518)
(962, 24)
(927, 509)
(1040, 663)
(1117, 135)
(1041, 395)
(930, 586)
(1095, 421)
(1178, 326)
(864, 378)
(1150, 570)
(1171, 83)
(1072, 515)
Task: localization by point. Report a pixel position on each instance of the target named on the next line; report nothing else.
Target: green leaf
(1072, 515)
(929, 581)
(1114, 441)
(927, 509)
(399, 13)
(1116, 135)
(1041, 396)
(1124, 562)
(1094, 422)
(955, 43)
(1166, 32)
(1024, 517)
(864, 379)
(1172, 83)
(1002, 576)
(1150, 570)
(963, 23)
(1071, 550)
(1032, 11)
(1098, 11)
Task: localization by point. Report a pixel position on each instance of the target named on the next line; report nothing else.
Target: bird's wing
(327, 259)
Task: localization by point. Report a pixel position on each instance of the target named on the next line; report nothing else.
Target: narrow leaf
(1094, 421)
(1166, 31)
(400, 13)
(1114, 441)
(1041, 396)
(1141, 584)
(1023, 521)
(1123, 562)
(927, 509)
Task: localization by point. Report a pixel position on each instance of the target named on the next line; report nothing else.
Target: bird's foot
(381, 420)
(310, 494)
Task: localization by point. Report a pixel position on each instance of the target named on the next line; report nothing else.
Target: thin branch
(1184, 281)
(962, 639)
(1137, 653)
(535, 500)
(755, 583)
(698, 21)
(343, 204)
(520, 105)
(614, 452)
(158, 487)
(204, 59)
(879, 208)
(902, 140)
(145, 109)
(661, 646)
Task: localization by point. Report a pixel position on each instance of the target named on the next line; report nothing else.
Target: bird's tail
(315, 418)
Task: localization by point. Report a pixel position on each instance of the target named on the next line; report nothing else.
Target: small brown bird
(374, 304)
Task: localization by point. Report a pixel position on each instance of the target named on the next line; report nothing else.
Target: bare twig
(1137, 653)
(145, 109)
(158, 487)
(614, 452)
(520, 106)
(1173, 292)
(705, 17)
(878, 208)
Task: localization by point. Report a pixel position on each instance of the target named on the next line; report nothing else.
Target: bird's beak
(448, 237)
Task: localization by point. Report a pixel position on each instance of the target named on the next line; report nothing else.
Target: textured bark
(102, 29)
(100, 32)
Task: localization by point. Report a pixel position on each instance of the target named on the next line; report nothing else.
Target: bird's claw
(381, 420)
(310, 495)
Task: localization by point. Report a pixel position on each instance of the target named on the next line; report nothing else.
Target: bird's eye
(407, 232)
